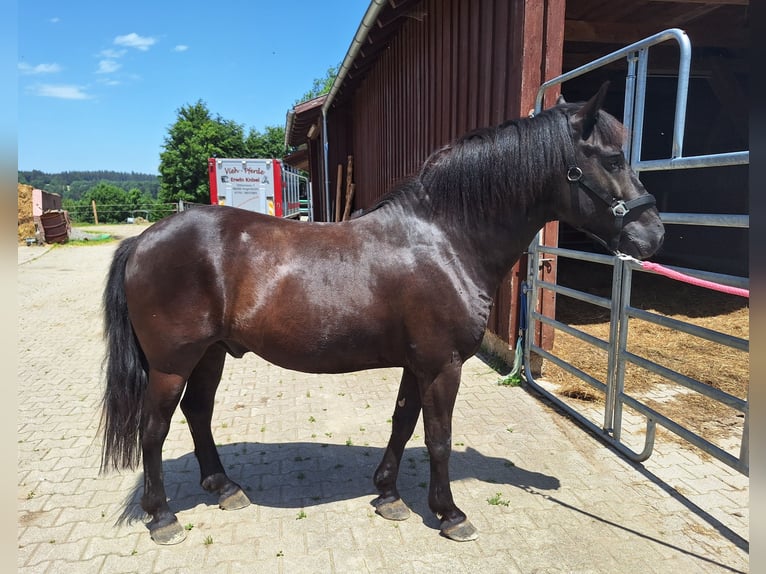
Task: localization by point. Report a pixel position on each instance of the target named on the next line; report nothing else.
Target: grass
(100, 240)
(511, 381)
(498, 364)
(498, 500)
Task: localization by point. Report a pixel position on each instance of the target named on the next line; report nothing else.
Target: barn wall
(444, 73)
(454, 65)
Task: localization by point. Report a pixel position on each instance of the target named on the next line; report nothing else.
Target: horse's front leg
(389, 504)
(438, 404)
(162, 395)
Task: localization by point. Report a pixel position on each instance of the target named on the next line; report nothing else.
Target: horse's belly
(311, 350)
(329, 360)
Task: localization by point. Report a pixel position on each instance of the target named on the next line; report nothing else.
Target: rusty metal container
(55, 226)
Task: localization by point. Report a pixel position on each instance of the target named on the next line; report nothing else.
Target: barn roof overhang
(300, 120)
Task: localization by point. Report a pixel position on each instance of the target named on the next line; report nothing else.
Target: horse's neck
(499, 244)
(489, 247)
(489, 244)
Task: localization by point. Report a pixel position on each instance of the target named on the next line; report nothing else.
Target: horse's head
(602, 195)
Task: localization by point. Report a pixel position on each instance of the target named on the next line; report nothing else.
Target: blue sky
(100, 83)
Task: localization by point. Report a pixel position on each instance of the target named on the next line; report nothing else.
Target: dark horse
(409, 283)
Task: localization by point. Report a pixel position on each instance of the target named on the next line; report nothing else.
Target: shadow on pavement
(305, 474)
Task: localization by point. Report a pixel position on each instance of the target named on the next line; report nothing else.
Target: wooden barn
(419, 73)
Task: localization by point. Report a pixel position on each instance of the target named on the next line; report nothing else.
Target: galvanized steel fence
(619, 357)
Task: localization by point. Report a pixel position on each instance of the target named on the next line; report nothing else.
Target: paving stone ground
(545, 495)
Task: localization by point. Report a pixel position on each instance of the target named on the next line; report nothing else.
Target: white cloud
(110, 54)
(107, 67)
(133, 40)
(61, 91)
(55, 20)
(26, 69)
(181, 48)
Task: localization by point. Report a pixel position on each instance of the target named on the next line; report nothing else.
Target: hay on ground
(713, 364)
(26, 227)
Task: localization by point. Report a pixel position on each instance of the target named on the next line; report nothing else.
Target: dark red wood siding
(452, 66)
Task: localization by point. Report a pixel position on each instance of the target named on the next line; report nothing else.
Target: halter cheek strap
(618, 207)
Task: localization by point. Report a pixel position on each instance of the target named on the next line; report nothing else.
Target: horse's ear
(586, 117)
(560, 100)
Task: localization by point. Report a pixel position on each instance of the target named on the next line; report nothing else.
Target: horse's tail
(126, 375)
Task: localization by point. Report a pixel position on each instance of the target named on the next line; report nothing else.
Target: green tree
(110, 204)
(73, 184)
(271, 143)
(113, 204)
(142, 204)
(192, 139)
(320, 86)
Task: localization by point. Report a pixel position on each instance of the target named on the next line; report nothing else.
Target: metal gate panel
(620, 309)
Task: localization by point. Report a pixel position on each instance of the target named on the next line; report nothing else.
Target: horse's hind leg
(197, 406)
(162, 394)
(389, 504)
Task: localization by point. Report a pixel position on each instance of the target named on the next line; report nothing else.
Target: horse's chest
(463, 305)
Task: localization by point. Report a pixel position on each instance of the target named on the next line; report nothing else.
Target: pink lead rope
(657, 268)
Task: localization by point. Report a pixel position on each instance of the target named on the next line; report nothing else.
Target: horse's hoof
(234, 501)
(391, 509)
(460, 532)
(172, 533)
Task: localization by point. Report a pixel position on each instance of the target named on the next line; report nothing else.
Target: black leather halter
(618, 207)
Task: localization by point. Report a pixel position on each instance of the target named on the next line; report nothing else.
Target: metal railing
(295, 186)
(619, 304)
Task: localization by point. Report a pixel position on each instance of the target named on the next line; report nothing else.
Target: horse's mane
(497, 168)
(487, 169)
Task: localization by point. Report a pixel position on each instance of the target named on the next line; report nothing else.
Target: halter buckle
(574, 173)
(619, 209)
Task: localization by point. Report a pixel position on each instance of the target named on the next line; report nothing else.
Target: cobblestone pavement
(545, 495)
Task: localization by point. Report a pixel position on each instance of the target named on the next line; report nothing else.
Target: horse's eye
(613, 162)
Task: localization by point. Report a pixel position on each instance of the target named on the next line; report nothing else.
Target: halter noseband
(618, 207)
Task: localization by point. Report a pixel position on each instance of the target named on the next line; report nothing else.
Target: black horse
(409, 284)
